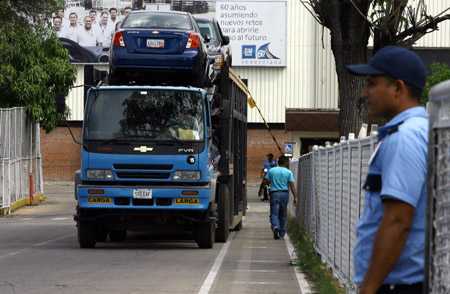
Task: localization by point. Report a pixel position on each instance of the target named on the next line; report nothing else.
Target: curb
(38, 197)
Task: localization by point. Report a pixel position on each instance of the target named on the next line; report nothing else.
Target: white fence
(437, 274)
(20, 156)
(331, 200)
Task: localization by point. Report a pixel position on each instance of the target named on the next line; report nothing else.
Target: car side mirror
(225, 40)
(207, 38)
(60, 103)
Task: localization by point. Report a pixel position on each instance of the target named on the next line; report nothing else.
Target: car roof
(212, 20)
(160, 12)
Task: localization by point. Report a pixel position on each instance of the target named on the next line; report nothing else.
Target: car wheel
(115, 79)
(199, 81)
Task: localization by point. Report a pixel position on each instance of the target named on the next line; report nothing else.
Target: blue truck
(163, 158)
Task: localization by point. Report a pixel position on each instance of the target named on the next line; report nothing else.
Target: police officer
(389, 249)
(268, 164)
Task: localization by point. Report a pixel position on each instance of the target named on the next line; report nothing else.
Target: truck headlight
(99, 174)
(186, 175)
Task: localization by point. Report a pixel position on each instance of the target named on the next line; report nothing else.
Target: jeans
(278, 211)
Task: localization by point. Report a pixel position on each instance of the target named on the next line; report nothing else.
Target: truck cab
(146, 151)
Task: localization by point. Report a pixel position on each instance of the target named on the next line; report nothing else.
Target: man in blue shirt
(268, 164)
(390, 236)
(280, 179)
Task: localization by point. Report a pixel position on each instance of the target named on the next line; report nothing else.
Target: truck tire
(101, 232)
(223, 226)
(238, 227)
(117, 235)
(204, 232)
(86, 234)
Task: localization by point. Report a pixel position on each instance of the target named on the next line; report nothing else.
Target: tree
(34, 64)
(392, 22)
(439, 73)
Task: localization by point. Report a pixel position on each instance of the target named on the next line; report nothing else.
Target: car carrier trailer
(163, 158)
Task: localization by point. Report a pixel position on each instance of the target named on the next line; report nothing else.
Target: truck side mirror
(209, 133)
(225, 40)
(207, 38)
(60, 103)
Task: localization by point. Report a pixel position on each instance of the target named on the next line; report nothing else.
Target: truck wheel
(238, 227)
(118, 236)
(101, 232)
(204, 232)
(223, 209)
(86, 234)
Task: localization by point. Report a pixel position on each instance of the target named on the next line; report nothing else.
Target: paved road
(39, 253)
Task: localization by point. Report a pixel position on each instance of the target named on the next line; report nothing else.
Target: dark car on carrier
(155, 47)
(219, 47)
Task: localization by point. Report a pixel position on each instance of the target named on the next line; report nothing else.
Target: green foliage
(309, 262)
(34, 64)
(440, 73)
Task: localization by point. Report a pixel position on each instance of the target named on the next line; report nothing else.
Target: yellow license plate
(188, 201)
(99, 200)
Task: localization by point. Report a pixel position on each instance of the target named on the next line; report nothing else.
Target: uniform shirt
(89, 38)
(106, 32)
(269, 164)
(72, 33)
(279, 178)
(401, 160)
(60, 33)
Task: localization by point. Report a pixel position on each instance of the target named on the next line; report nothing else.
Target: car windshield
(157, 21)
(144, 115)
(206, 28)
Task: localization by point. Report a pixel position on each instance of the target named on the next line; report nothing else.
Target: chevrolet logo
(143, 149)
(155, 32)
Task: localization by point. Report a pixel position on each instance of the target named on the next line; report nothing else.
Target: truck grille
(144, 166)
(143, 175)
(143, 171)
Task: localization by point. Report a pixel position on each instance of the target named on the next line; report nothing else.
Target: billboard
(257, 31)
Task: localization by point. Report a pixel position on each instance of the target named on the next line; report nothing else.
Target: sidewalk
(58, 199)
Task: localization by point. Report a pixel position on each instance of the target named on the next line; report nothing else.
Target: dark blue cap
(397, 62)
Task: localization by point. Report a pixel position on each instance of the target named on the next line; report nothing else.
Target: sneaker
(276, 233)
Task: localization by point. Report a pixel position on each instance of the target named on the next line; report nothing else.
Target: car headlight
(99, 174)
(186, 175)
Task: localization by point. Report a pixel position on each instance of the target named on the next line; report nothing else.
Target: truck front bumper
(162, 198)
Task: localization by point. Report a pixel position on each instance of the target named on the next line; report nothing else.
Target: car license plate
(99, 200)
(187, 201)
(152, 43)
(142, 194)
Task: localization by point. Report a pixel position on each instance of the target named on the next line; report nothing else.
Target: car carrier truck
(162, 158)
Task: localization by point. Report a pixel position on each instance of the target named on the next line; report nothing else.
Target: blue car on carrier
(154, 48)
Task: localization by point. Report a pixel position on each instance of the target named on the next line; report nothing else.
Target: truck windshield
(144, 115)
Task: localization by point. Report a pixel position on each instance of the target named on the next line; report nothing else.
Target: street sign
(288, 148)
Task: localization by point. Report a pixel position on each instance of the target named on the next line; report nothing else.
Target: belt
(280, 191)
(404, 287)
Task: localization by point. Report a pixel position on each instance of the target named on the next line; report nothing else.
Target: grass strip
(309, 262)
